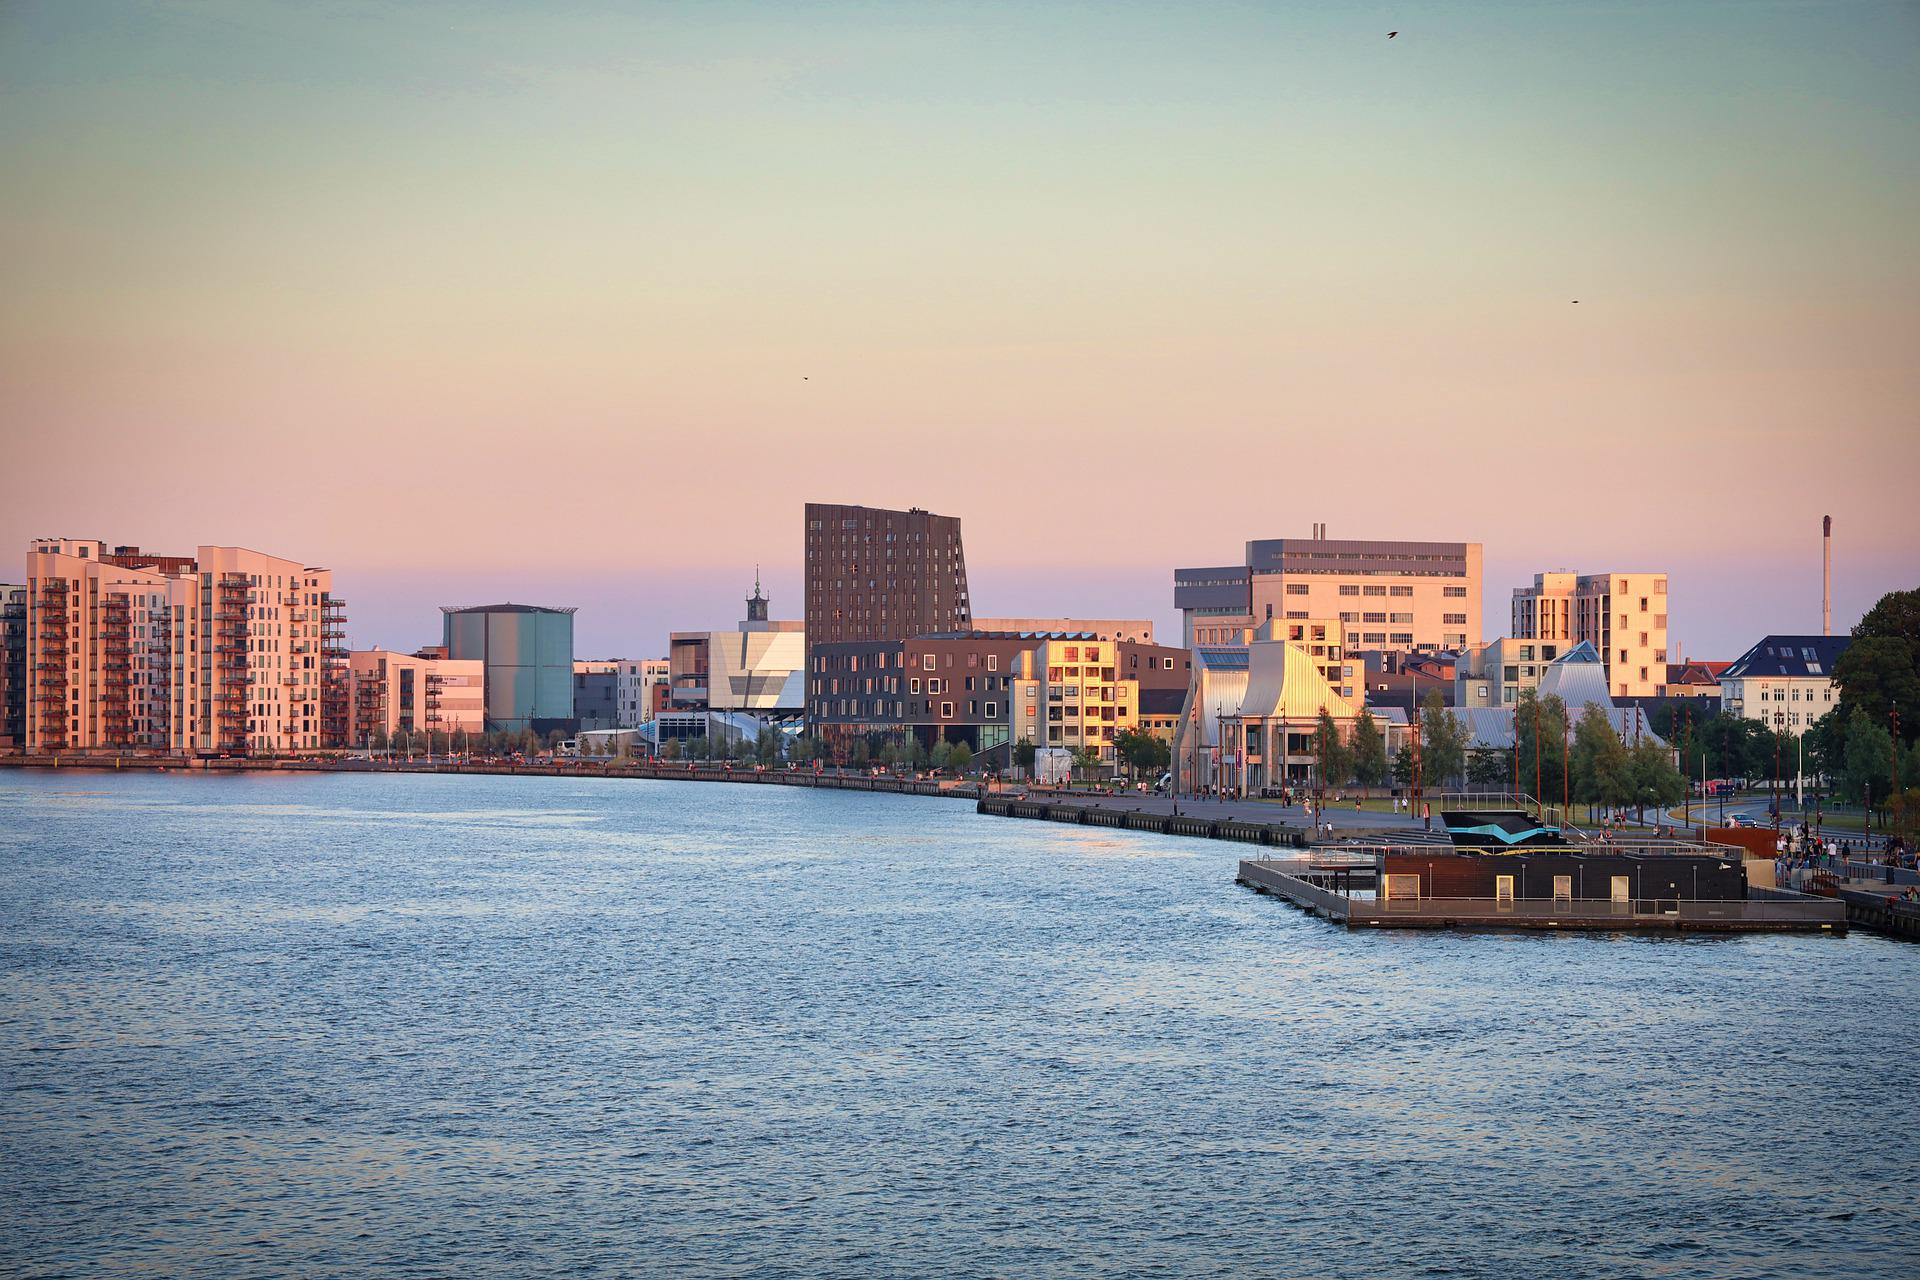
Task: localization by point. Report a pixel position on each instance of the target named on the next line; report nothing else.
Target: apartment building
(946, 686)
(1622, 615)
(1495, 674)
(1422, 596)
(421, 692)
(1072, 693)
(640, 690)
(1785, 682)
(875, 574)
(230, 651)
(13, 666)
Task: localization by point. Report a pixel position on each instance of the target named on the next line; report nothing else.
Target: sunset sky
(579, 303)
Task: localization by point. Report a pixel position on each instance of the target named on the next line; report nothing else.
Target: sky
(576, 303)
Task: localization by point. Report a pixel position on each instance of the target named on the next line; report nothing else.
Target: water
(541, 1026)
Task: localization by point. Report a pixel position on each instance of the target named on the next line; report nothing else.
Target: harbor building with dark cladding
(874, 574)
(1410, 596)
(526, 652)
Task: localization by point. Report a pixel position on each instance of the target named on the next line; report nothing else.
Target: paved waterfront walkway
(1343, 820)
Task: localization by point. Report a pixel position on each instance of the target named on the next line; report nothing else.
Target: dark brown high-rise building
(874, 574)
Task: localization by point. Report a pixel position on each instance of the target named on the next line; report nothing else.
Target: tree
(1655, 780)
(1368, 749)
(1869, 767)
(1489, 768)
(861, 752)
(1403, 766)
(380, 740)
(1086, 762)
(767, 744)
(942, 753)
(1023, 752)
(960, 759)
(1602, 772)
(1879, 675)
(1443, 743)
(1330, 752)
(1545, 767)
(1141, 751)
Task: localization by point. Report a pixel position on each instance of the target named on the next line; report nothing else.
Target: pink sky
(582, 308)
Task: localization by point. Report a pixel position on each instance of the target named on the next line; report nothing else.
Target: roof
(503, 608)
(1284, 681)
(1162, 702)
(1786, 656)
(1221, 659)
(1695, 673)
(1577, 678)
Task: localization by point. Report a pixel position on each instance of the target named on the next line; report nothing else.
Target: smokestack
(1826, 575)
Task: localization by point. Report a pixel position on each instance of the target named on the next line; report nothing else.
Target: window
(1454, 593)
(913, 685)
(1454, 619)
(1349, 589)
(1371, 590)
(1296, 588)
(926, 661)
(993, 662)
(1399, 591)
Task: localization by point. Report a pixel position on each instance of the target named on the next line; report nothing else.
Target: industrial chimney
(1826, 575)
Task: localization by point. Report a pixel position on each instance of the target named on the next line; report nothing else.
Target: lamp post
(1779, 724)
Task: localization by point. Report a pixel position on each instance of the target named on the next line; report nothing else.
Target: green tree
(1403, 766)
(670, 749)
(1541, 773)
(1443, 744)
(1489, 767)
(1602, 771)
(940, 755)
(1869, 769)
(1086, 762)
(1330, 753)
(1879, 675)
(1655, 779)
(1023, 752)
(1368, 749)
(960, 759)
(861, 751)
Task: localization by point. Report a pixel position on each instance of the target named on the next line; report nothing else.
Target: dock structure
(1348, 895)
(1273, 834)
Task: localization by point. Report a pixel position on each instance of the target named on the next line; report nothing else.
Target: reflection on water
(432, 1026)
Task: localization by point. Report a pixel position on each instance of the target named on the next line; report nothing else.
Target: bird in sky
(1576, 302)
(1392, 34)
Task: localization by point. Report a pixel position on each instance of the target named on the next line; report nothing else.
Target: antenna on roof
(1826, 575)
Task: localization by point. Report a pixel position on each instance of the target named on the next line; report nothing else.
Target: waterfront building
(1078, 692)
(1216, 687)
(1130, 630)
(1694, 679)
(1268, 741)
(1390, 595)
(13, 666)
(596, 693)
(231, 651)
(759, 666)
(945, 686)
(1495, 674)
(1785, 682)
(1579, 679)
(526, 652)
(422, 692)
(1622, 615)
(640, 690)
(876, 574)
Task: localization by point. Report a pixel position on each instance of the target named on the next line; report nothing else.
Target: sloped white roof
(1283, 681)
(1577, 677)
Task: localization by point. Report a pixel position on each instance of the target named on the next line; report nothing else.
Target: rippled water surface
(539, 1026)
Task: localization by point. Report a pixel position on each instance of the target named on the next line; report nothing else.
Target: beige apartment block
(415, 693)
(1493, 675)
(1070, 693)
(230, 652)
(99, 650)
(1410, 596)
(1622, 615)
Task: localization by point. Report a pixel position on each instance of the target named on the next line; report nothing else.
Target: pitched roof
(1577, 678)
(1789, 656)
(1283, 681)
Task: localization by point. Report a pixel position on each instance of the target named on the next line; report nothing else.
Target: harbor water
(432, 1025)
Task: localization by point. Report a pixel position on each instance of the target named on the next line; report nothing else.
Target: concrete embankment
(1095, 815)
(659, 772)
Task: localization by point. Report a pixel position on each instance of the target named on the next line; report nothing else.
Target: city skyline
(426, 293)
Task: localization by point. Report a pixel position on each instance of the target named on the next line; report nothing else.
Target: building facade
(1421, 596)
(640, 691)
(415, 693)
(875, 574)
(1495, 674)
(13, 667)
(232, 651)
(1622, 615)
(1785, 682)
(596, 693)
(526, 652)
